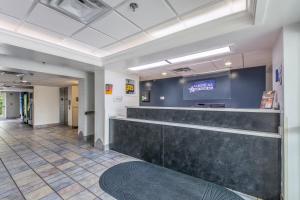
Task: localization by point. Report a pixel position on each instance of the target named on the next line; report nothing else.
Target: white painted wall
(115, 104)
(12, 105)
(291, 100)
(46, 105)
(277, 61)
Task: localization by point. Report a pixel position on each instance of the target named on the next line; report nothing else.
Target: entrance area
(50, 163)
(2, 105)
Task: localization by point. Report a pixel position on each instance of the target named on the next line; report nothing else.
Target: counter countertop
(211, 128)
(210, 109)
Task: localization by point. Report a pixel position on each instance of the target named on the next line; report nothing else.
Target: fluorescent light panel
(216, 11)
(183, 59)
(149, 66)
(201, 55)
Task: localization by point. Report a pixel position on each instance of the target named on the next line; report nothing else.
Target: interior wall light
(149, 66)
(228, 63)
(201, 55)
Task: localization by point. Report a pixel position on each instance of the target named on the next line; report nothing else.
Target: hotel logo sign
(198, 86)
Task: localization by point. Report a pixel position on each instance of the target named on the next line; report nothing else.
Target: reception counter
(244, 155)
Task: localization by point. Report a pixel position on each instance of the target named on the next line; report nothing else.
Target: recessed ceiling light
(149, 66)
(214, 12)
(201, 55)
(228, 64)
(164, 73)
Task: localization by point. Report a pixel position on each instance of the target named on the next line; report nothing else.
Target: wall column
(99, 109)
(86, 103)
(291, 99)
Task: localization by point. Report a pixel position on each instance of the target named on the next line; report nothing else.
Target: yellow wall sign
(129, 87)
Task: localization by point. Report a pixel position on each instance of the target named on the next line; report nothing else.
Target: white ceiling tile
(203, 67)
(115, 25)
(53, 20)
(39, 33)
(148, 13)
(257, 58)
(184, 6)
(8, 23)
(93, 38)
(15, 8)
(113, 3)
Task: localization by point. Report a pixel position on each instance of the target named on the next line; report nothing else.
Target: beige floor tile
(84, 195)
(66, 166)
(70, 191)
(38, 194)
(89, 181)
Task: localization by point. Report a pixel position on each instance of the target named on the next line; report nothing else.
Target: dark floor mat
(145, 181)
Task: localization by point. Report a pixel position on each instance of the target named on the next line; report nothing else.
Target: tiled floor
(50, 164)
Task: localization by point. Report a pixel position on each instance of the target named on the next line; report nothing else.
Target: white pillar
(291, 68)
(86, 103)
(99, 109)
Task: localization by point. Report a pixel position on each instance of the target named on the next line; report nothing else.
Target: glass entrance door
(2, 105)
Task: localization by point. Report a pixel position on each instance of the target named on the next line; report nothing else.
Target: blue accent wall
(241, 88)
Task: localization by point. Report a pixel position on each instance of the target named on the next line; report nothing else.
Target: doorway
(2, 105)
(63, 107)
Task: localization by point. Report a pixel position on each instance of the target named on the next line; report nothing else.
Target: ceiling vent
(182, 69)
(83, 10)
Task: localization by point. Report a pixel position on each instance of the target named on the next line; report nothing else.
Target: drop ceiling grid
(168, 12)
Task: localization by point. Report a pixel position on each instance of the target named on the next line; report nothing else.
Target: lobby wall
(244, 90)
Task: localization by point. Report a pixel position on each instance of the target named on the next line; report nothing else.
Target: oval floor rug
(144, 181)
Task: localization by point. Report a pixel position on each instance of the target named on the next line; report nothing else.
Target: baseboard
(46, 125)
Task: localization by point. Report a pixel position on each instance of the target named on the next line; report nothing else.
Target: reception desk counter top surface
(210, 109)
(225, 130)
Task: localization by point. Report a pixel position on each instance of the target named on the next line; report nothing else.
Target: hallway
(50, 164)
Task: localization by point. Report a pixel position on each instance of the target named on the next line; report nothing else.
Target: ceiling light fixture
(149, 66)
(201, 55)
(214, 12)
(228, 64)
(82, 10)
(183, 59)
(164, 73)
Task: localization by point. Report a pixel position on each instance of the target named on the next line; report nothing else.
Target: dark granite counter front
(242, 160)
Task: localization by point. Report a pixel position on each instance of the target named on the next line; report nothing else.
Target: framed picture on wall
(108, 89)
(145, 96)
(130, 86)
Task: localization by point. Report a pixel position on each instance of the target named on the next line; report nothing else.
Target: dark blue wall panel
(244, 90)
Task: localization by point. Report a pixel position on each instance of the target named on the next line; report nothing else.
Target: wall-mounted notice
(145, 96)
(130, 86)
(108, 89)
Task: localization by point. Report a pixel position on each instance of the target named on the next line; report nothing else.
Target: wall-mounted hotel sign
(130, 86)
(206, 85)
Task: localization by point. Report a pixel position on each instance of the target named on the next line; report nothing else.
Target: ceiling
(12, 78)
(245, 37)
(119, 29)
(121, 38)
(212, 65)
